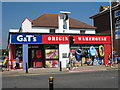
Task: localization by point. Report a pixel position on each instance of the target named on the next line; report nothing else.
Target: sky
(13, 13)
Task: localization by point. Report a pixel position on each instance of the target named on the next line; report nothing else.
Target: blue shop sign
(26, 38)
(117, 13)
(117, 32)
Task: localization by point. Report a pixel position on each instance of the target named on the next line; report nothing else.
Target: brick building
(102, 22)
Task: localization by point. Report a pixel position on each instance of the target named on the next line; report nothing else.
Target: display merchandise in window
(52, 63)
(89, 56)
(51, 53)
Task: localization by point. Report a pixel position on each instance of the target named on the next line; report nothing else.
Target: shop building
(44, 41)
(102, 22)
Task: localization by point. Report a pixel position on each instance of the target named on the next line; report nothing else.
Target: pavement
(43, 71)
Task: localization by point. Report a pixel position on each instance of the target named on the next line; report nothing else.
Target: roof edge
(105, 11)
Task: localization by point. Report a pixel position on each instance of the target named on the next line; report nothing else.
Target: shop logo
(27, 38)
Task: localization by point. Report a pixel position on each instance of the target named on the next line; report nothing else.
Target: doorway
(36, 56)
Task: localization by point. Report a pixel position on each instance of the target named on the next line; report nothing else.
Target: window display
(38, 53)
(51, 53)
(52, 63)
(89, 55)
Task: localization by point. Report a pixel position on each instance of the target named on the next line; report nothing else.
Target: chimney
(63, 21)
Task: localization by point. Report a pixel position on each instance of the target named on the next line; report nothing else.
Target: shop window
(36, 53)
(82, 31)
(64, 25)
(51, 53)
(51, 46)
(51, 56)
(52, 30)
(52, 63)
(83, 55)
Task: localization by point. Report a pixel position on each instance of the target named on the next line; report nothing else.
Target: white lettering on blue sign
(27, 38)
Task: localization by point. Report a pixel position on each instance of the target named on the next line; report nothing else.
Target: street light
(111, 27)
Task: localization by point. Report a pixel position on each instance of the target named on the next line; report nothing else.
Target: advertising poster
(51, 53)
(38, 53)
(52, 63)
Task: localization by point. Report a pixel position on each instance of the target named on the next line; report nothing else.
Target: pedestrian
(74, 62)
(6, 64)
(110, 63)
(17, 63)
(118, 59)
(69, 65)
(115, 57)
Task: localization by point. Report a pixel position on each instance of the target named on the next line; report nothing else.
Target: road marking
(88, 70)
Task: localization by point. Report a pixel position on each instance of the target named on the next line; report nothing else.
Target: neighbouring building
(44, 41)
(102, 22)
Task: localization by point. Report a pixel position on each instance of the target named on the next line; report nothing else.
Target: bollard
(60, 66)
(0, 68)
(51, 87)
(26, 68)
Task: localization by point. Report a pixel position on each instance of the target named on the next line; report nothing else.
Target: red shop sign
(77, 39)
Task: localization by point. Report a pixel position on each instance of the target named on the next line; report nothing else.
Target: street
(96, 79)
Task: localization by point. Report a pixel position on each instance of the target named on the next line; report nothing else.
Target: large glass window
(82, 31)
(51, 56)
(84, 57)
(51, 53)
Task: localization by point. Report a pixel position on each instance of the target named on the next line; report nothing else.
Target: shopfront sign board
(26, 38)
(77, 39)
(46, 38)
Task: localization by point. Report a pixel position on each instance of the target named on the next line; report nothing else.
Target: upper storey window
(52, 30)
(82, 31)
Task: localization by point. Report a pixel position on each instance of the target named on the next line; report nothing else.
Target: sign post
(25, 56)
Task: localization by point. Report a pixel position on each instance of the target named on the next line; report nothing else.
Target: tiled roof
(51, 20)
(105, 6)
(117, 7)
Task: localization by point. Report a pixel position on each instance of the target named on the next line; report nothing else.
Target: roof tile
(51, 20)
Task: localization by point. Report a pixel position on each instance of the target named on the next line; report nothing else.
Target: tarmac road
(96, 79)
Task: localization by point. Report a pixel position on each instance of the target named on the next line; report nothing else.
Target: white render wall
(61, 23)
(26, 26)
(13, 30)
(40, 29)
(90, 31)
(74, 31)
(47, 30)
(77, 31)
(63, 48)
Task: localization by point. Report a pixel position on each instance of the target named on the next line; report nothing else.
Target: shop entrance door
(36, 56)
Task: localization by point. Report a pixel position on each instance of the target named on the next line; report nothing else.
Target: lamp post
(111, 29)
